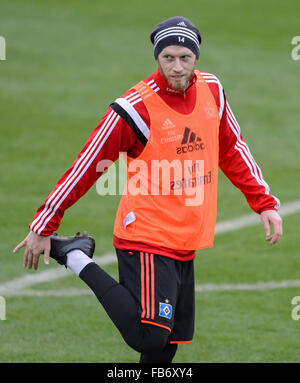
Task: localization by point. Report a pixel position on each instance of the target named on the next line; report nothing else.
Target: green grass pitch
(65, 63)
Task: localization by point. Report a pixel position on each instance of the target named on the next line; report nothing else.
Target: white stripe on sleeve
(125, 104)
(243, 148)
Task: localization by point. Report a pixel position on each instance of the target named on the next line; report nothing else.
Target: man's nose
(177, 65)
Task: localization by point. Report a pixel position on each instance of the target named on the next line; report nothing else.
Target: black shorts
(163, 289)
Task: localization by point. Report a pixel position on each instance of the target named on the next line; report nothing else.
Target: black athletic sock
(116, 300)
(97, 279)
(123, 310)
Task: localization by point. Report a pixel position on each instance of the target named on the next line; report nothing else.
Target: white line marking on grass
(254, 219)
(261, 286)
(72, 292)
(15, 286)
(200, 288)
(18, 285)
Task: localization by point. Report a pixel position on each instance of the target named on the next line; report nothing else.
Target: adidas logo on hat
(182, 24)
(190, 142)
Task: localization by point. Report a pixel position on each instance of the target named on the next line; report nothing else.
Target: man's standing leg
(164, 356)
(151, 279)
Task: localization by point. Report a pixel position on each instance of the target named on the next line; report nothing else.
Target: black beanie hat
(176, 31)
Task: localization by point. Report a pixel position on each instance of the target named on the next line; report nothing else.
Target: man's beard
(181, 85)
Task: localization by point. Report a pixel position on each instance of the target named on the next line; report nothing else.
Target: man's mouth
(177, 77)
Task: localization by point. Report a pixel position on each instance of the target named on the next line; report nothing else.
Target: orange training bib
(171, 195)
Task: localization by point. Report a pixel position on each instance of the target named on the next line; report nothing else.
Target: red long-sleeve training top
(121, 130)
